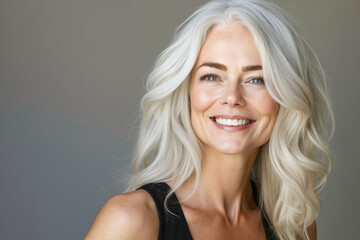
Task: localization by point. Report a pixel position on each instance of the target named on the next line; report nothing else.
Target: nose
(232, 95)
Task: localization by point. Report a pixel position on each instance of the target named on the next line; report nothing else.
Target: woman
(232, 133)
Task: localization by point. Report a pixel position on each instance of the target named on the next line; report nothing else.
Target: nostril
(234, 101)
(232, 96)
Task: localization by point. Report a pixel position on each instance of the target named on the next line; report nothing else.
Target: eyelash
(203, 77)
(258, 78)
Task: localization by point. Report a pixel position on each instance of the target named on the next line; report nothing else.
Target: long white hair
(292, 166)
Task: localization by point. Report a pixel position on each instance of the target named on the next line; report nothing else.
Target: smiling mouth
(232, 122)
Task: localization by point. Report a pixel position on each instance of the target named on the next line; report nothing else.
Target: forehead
(233, 30)
(228, 44)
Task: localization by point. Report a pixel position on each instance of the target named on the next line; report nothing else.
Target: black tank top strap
(269, 232)
(172, 224)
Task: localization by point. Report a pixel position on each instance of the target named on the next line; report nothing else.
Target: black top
(173, 225)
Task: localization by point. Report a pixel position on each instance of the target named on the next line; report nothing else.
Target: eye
(257, 80)
(210, 77)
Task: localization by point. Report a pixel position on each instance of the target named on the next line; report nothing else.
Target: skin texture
(222, 207)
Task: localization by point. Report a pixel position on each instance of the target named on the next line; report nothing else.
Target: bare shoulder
(126, 216)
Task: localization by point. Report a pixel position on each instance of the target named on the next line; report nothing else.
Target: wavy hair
(293, 165)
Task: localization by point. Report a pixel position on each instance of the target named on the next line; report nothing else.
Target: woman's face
(231, 109)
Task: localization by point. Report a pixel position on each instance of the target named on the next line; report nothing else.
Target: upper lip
(227, 116)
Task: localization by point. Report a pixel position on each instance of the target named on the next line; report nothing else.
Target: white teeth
(232, 122)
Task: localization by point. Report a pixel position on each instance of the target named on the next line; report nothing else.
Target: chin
(232, 150)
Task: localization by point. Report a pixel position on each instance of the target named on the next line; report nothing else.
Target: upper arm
(126, 216)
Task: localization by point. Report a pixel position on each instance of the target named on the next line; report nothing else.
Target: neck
(225, 184)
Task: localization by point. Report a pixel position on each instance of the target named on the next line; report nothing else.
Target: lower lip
(232, 128)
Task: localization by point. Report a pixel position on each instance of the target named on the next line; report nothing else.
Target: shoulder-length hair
(292, 166)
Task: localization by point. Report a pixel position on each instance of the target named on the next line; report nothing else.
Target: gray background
(71, 77)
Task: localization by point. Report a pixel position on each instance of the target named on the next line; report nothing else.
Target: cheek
(266, 105)
(270, 108)
(200, 100)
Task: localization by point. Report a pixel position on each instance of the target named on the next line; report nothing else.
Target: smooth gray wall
(71, 77)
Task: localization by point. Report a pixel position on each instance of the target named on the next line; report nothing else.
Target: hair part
(294, 164)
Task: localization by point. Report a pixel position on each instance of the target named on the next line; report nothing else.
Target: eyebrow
(224, 68)
(251, 68)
